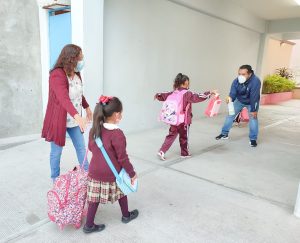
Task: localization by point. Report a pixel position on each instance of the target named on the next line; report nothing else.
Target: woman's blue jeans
(253, 122)
(56, 150)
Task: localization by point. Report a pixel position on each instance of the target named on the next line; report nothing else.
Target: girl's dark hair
(180, 80)
(68, 58)
(248, 67)
(103, 111)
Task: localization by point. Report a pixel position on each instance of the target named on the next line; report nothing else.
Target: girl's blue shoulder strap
(108, 160)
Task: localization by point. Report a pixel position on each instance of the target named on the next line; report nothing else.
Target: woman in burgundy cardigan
(64, 107)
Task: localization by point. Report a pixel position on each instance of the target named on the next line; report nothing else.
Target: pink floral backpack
(66, 200)
(172, 110)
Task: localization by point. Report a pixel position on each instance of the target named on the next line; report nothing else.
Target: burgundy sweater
(59, 104)
(114, 142)
(188, 98)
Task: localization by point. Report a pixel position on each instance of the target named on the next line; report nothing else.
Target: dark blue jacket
(247, 93)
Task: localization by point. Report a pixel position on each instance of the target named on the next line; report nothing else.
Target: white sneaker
(186, 156)
(161, 155)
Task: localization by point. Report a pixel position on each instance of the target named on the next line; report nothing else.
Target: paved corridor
(227, 192)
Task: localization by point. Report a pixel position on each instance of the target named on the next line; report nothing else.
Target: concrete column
(87, 32)
(45, 56)
(262, 55)
(77, 22)
(93, 49)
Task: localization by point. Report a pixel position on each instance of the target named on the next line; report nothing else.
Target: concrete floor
(227, 192)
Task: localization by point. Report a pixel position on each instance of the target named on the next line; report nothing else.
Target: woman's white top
(75, 93)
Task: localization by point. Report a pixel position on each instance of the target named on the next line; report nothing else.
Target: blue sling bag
(122, 179)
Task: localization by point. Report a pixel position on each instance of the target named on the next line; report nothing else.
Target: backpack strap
(85, 158)
(186, 113)
(187, 106)
(107, 159)
(183, 91)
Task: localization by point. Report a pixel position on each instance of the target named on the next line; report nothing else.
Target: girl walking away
(102, 186)
(181, 88)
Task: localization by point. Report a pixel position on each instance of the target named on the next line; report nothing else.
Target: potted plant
(278, 87)
(285, 73)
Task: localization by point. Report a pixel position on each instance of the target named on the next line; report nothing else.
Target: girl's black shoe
(132, 215)
(95, 228)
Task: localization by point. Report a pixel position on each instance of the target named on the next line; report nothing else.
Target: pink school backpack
(213, 107)
(172, 109)
(67, 199)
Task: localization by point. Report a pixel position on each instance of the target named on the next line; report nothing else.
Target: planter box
(296, 93)
(269, 99)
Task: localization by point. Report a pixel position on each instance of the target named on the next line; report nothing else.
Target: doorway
(60, 32)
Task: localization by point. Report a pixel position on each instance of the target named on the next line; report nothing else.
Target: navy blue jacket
(247, 93)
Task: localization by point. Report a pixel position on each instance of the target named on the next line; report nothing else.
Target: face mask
(241, 79)
(79, 66)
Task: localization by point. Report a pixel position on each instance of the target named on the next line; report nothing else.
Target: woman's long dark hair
(68, 58)
(180, 80)
(103, 111)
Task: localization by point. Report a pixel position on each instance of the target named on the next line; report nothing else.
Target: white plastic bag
(231, 110)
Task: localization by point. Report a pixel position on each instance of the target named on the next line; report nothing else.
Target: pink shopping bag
(213, 107)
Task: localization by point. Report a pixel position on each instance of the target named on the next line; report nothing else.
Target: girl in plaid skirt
(102, 187)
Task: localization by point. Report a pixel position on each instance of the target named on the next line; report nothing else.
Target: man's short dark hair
(248, 67)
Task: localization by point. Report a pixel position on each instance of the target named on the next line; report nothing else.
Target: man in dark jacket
(245, 92)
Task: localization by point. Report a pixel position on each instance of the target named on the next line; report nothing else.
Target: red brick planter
(296, 93)
(269, 99)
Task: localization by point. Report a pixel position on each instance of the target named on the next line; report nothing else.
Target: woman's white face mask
(242, 79)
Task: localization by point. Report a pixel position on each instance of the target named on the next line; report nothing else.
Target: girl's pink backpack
(213, 107)
(172, 109)
(67, 199)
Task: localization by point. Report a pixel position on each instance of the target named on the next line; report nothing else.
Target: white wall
(278, 56)
(146, 43)
(227, 11)
(295, 60)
